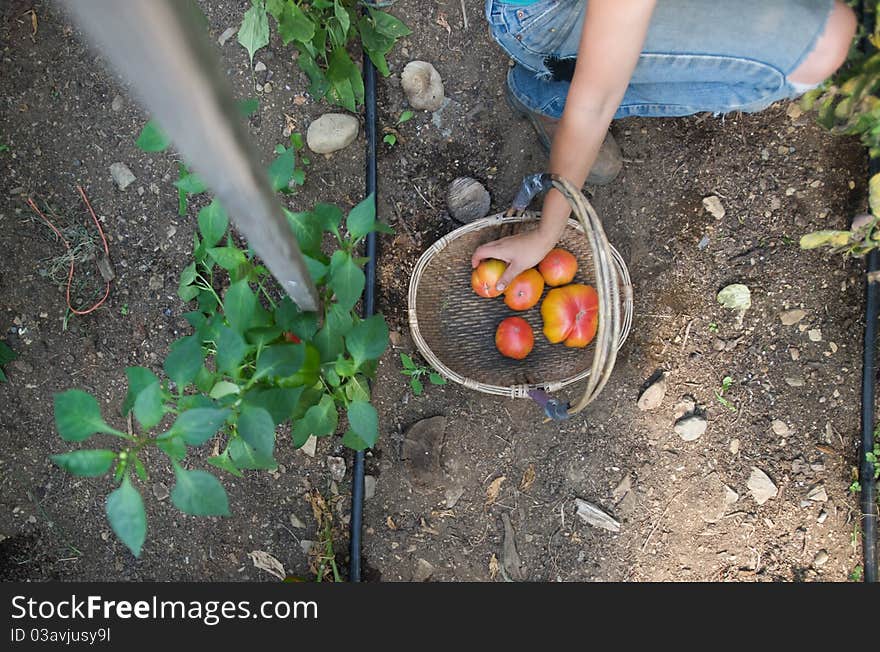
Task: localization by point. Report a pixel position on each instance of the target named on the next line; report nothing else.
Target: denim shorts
(698, 55)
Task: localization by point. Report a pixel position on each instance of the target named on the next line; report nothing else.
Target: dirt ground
(684, 508)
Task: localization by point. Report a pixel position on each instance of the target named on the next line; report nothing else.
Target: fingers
(488, 250)
(513, 270)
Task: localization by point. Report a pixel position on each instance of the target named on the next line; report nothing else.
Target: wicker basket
(454, 329)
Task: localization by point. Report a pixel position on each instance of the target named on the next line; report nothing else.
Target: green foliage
(321, 31)
(252, 364)
(416, 372)
(848, 104)
(7, 355)
(726, 383)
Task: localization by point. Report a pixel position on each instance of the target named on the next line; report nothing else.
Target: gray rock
(332, 132)
(453, 494)
(713, 206)
(369, 486)
(791, 317)
(423, 86)
(306, 546)
(116, 105)
(296, 522)
(310, 446)
(423, 570)
(121, 175)
(691, 427)
(815, 334)
(818, 494)
(821, 558)
(686, 404)
(780, 428)
(467, 200)
(259, 66)
(160, 491)
(591, 514)
(268, 88)
(156, 282)
(227, 34)
(761, 486)
(337, 468)
(794, 381)
(653, 396)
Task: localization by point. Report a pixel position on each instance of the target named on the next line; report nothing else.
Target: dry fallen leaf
(528, 478)
(443, 513)
(441, 20)
(494, 566)
(390, 523)
(427, 528)
(299, 100)
(268, 563)
(494, 489)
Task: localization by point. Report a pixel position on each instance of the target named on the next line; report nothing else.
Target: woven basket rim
(516, 390)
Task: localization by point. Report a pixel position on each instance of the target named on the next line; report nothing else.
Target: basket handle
(607, 282)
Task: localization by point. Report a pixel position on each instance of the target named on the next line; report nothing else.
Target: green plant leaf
(127, 517)
(240, 305)
(405, 116)
(281, 170)
(139, 378)
(329, 216)
(346, 279)
(362, 218)
(317, 269)
(140, 469)
(389, 139)
(248, 106)
(190, 183)
(280, 361)
(149, 407)
(86, 463)
(185, 358)
(294, 25)
(172, 445)
(356, 389)
(198, 425)
(319, 420)
(417, 386)
(199, 493)
(223, 462)
(407, 361)
(364, 422)
(307, 231)
(213, 222)
(389, 25)
(254, 31)
(279, 402)
(223, 388)
(276, 7)
(290, 318)
(436, 379)
(256, 427)
(342, 16)
(231, 349)
(229, 258)
(263, 335)
(367, 340)
(245, 457)
(152, 138)
(78, 416)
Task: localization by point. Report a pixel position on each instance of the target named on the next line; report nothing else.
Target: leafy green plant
(321, 31)
(253, 363)
(416, 372)
(4, 147)
(726, 383)
(848, 104)
(7, 355)
(390, 140)
(856, 574)
(405, 116)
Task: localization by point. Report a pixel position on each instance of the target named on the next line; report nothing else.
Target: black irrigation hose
(369, 307)
(872, 311)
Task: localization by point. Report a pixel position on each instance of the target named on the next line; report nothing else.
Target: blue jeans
(699, 55)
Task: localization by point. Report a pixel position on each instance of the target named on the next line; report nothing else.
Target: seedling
(726, 382)
(7, 355)
(124, 310)
(405, 117)
(713, 327)
(390, 139)
(416, 372)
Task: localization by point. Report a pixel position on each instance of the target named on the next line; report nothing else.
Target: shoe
(609, 160)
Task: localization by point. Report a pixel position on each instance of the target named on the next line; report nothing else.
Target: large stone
(423, 86)
(422, 444)
(761, 486)
(691, 427)
(332, 132)
(652, 397)
(467, 200)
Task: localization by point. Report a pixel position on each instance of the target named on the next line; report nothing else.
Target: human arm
(611, 41)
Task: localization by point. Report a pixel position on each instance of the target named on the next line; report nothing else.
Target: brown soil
(777, 175)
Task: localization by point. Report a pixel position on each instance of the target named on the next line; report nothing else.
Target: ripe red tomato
(485, 277)
(525, 290)
(514, 338)
(571, 314)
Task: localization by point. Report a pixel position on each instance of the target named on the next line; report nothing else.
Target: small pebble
(734, 446)
(116, 105)
(691, 428)
(791, 317)
(815, 335)
(821, 558)
(713, 206)
(227, 34)
(259, 66)
(780, 428)
(121, 175)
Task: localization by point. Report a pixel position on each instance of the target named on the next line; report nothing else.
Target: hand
(520, 252)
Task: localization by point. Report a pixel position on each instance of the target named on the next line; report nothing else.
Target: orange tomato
(514, 338)
(571, 315)
(558, 267)
(525, 290)
(485, 277)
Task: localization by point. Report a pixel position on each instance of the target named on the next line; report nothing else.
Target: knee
(831, 49)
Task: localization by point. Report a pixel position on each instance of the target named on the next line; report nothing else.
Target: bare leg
(831, 49)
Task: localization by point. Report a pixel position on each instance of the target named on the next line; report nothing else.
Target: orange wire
(82, 193)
